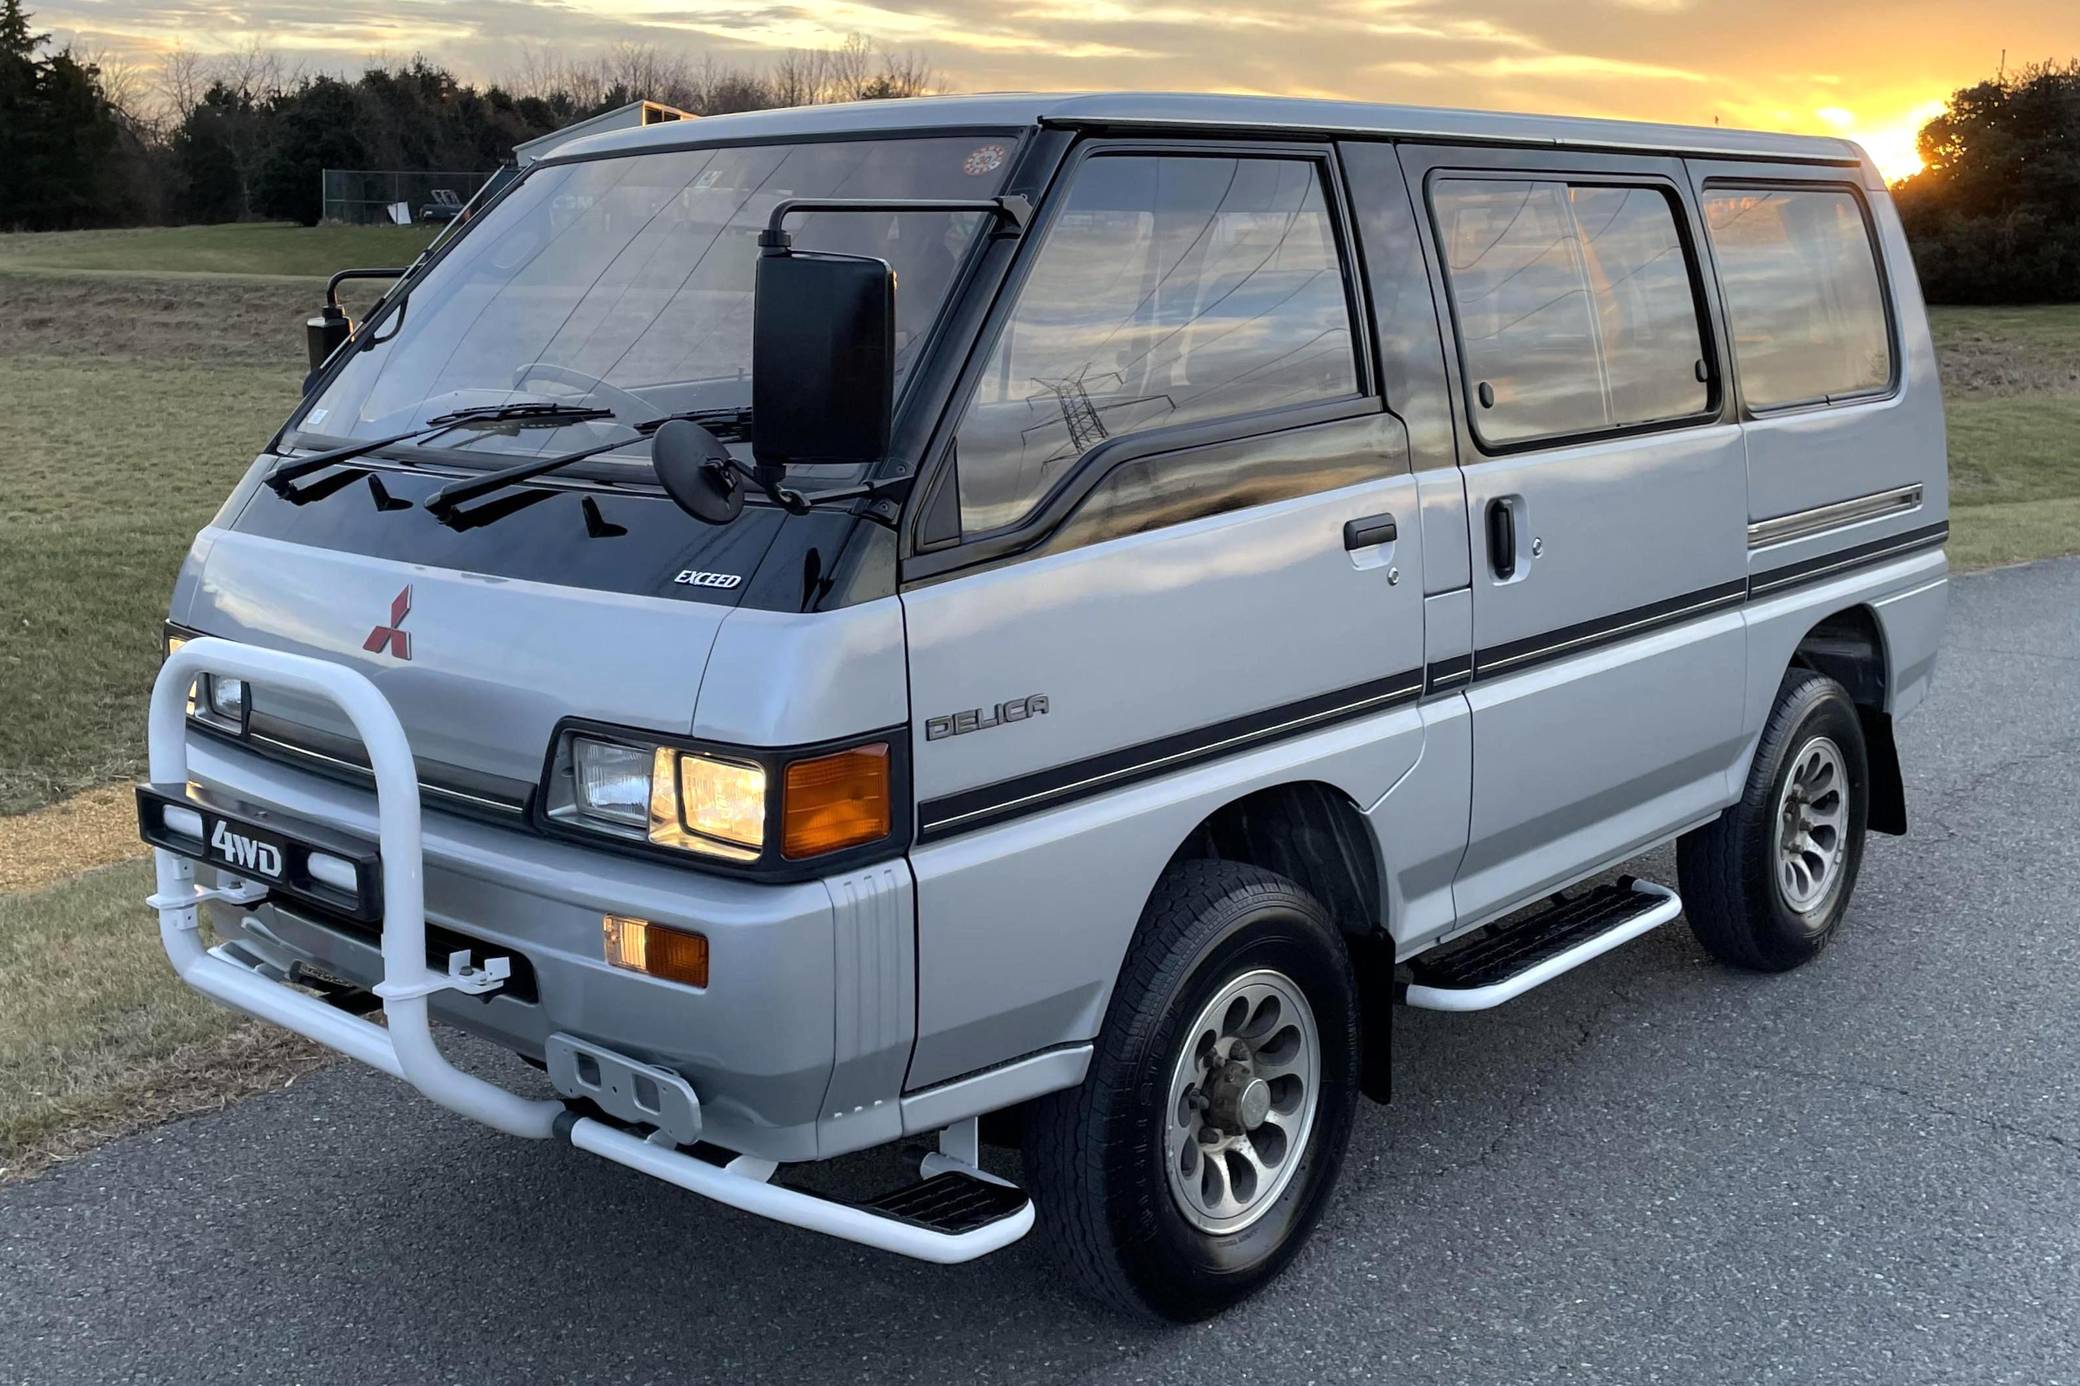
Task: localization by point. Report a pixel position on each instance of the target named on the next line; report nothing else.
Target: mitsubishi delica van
(1053, 616)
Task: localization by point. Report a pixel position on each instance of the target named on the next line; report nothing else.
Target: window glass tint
(1802, 293)
(1574, 305)
(1169, 289)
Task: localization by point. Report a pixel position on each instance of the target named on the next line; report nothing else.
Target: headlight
(612, 781)
(665, 796)
(707, 805)
(173, 643)
(227, 698)
(762, 811)
(214, 702)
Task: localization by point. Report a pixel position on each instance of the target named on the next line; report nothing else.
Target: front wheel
(1766, 883)
(1198, 1153)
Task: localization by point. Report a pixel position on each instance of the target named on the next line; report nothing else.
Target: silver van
(1048, 618)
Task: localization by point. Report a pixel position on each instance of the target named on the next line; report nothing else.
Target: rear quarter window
(1804, 298)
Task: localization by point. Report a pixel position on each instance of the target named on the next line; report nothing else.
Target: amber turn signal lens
(835, 801)
(640, 946)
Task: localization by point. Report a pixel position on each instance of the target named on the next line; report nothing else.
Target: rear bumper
(639, 1033)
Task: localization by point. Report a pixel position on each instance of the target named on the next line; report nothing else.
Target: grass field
(139, 373)
(2011, 393)
(271, 248)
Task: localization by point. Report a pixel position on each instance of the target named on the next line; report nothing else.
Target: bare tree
(182, 78)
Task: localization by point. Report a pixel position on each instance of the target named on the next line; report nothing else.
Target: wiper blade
(534, 414)
(443, 502)
(731, 423)
(726, 422)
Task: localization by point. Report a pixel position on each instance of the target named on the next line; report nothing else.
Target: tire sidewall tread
(1726, 868)
(1094, 1153)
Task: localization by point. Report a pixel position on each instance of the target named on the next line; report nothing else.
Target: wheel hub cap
(1242, 1096)
(1812, 820)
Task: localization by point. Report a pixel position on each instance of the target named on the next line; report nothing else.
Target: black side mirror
(822, 360)
(323, 335)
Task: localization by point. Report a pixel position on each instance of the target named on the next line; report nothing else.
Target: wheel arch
(1849, 647)
(1315, 835)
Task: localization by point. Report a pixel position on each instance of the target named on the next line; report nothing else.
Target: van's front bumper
(796, 1048)
(758, 1043)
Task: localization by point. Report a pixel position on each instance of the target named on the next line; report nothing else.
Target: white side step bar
(405, 1047)
(742, 1184)
(1530, 954)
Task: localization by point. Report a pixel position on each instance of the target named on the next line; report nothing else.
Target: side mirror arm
(1012, 212)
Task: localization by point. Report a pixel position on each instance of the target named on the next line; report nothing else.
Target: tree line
(89, 140)
(1994, 214)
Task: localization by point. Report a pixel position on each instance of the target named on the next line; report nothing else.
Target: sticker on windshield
(707, 180)
(986, 159)
(315, 417)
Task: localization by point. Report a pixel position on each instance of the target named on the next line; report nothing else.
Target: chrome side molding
(1801, 524)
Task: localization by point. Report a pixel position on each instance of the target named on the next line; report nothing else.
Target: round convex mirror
(693, 467)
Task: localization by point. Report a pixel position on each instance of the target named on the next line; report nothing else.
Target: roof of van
(1240, 113)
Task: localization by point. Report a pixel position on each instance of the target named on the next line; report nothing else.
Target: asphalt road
(1652, 1170)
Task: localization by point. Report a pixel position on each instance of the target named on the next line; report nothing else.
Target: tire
(1748, 904)
(1098, 1157)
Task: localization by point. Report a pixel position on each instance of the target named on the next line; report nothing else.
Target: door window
(1575, 306)
(1803, 296)
(1170, 289)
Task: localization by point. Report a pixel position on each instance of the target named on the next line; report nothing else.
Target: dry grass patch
(97, 828)
(98, 1037)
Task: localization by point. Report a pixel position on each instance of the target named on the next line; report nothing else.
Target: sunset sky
(1870, 69)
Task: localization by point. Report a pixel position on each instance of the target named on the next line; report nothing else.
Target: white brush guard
(404, 1047)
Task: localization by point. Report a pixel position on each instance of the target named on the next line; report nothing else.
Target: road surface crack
(2067, 1144)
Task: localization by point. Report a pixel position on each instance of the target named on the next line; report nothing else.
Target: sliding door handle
(1370, 531)
(1502, 539)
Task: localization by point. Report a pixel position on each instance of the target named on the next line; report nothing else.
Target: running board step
(949, 1216)
(1510, 961)
(951, 1204)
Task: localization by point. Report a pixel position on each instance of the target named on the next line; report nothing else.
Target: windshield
(626, 284)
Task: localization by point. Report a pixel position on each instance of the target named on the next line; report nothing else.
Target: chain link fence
(363, 197)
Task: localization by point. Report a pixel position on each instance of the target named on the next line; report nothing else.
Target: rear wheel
(1193, 1161)
(1767, 883)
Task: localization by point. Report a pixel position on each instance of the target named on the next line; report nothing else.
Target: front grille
(492, 798)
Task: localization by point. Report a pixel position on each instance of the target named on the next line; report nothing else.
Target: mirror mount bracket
(1013, 213)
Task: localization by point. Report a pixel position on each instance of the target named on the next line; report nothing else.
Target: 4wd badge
(246, 853)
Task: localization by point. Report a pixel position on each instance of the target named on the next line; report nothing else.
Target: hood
(477, 650)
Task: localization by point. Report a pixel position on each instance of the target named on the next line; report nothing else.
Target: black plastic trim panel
(1828, 565)
(971, 809)
(1443, 675)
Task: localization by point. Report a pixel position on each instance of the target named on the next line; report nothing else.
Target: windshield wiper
(533, 414)
(456, 493)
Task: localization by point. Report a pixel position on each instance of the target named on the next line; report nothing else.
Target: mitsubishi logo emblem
(393, 635)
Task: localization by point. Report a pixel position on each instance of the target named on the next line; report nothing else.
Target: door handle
(1373, 529)
(1502, 539)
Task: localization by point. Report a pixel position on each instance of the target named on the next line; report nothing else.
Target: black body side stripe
(1044, 789)
(1518, 655)
(1829, 565)
(1441, 676)
(990, 804)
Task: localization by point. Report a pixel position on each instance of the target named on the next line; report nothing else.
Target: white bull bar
(405, 1047)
